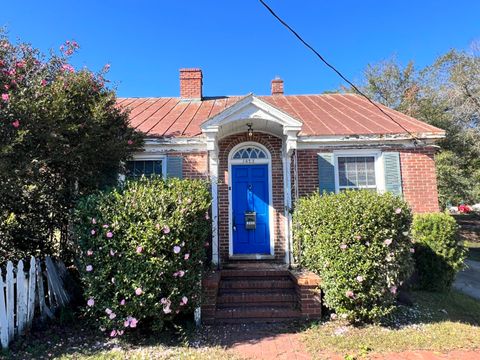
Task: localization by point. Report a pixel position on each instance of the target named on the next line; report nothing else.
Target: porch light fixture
(250, 130)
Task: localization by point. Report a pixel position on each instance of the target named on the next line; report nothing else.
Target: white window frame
(379, 172)
(146, 157)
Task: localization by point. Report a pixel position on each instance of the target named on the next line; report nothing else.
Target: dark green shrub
(438, 252)
(357, 242)
(142, 251)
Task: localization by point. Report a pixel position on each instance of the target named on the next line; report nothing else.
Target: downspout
(296, 196)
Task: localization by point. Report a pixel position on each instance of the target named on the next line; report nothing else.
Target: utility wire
(334, 69)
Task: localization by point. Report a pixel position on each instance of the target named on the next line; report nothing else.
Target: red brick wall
(419, 180)
(274, 145)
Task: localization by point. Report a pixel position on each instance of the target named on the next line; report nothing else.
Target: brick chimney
(191, 84)
(277, 86)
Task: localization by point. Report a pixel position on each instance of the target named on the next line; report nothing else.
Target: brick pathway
(282, 342)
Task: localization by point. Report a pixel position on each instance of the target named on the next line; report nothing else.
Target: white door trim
(267, 161)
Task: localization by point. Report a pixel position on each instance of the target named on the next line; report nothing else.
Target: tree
(445, 94)
(61, 136)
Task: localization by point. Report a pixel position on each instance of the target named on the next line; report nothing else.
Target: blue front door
(250, 194)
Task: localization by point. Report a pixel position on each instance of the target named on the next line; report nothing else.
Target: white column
(213, 167)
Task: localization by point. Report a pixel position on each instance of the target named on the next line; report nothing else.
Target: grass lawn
(437, 322)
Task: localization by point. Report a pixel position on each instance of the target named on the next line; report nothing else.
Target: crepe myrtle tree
(61, 137)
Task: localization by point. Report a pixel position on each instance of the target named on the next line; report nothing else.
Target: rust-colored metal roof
(322, 115)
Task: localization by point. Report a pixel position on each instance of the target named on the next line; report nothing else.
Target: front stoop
(246, 294)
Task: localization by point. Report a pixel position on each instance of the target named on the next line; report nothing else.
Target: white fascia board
(312, 142)
(183, 144)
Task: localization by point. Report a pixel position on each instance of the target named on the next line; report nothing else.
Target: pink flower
(186, 256)
(367, 243)
(113, 333)
(163, 301)
(5, 97)
(90, 302)
(94, 221)
(138, 291)
(112, 280)
(181, 273)
(108, 311)
(20, 64)
(122, 302)
(387, 241)
(105, 226)
(207, 216)
(167, 310)
(176, 249)
(89, 268)
(112, 252)
(92, 232)
(16, 124)
(139, 249)
(119, 332)
(166, 229)
(130, 321)
(398, 210)
(393, 289)
(207, 244)
(349, 294)
(44, 82)
(343, 246)
(89, 252)
(184, 300)
(68, 67)
(112, 316)
(360, 278)
(130, 142)
(333, 316)
(109, 234)
(412, 250)
(106, 67)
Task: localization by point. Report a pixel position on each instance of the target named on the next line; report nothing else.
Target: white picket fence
(26, 295)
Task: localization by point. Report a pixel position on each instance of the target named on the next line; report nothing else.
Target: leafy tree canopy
(445, 94)
(61, 136)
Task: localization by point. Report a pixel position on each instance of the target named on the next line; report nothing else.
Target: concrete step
(258, 313)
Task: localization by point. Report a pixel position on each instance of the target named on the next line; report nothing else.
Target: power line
(334, 69)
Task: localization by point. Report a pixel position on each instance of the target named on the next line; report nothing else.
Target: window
(356, 172)
(250, 153)
(139, 168)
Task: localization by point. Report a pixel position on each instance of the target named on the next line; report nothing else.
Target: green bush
(439, 254)
(358, 243)
(142, 250)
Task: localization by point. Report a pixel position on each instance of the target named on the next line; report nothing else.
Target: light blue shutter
(326, 173)
(393, 175)
(174, 166)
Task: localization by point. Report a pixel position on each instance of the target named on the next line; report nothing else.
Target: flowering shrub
(61, 136)
(142, 250)
(439, 254)
(358, 243)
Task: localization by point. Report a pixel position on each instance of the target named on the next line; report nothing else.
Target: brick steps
(258, 313)
(244, 295)
(256, 296)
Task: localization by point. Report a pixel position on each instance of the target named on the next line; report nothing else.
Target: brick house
(261, 153)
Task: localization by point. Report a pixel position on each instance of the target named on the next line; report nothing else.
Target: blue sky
(238, 45)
